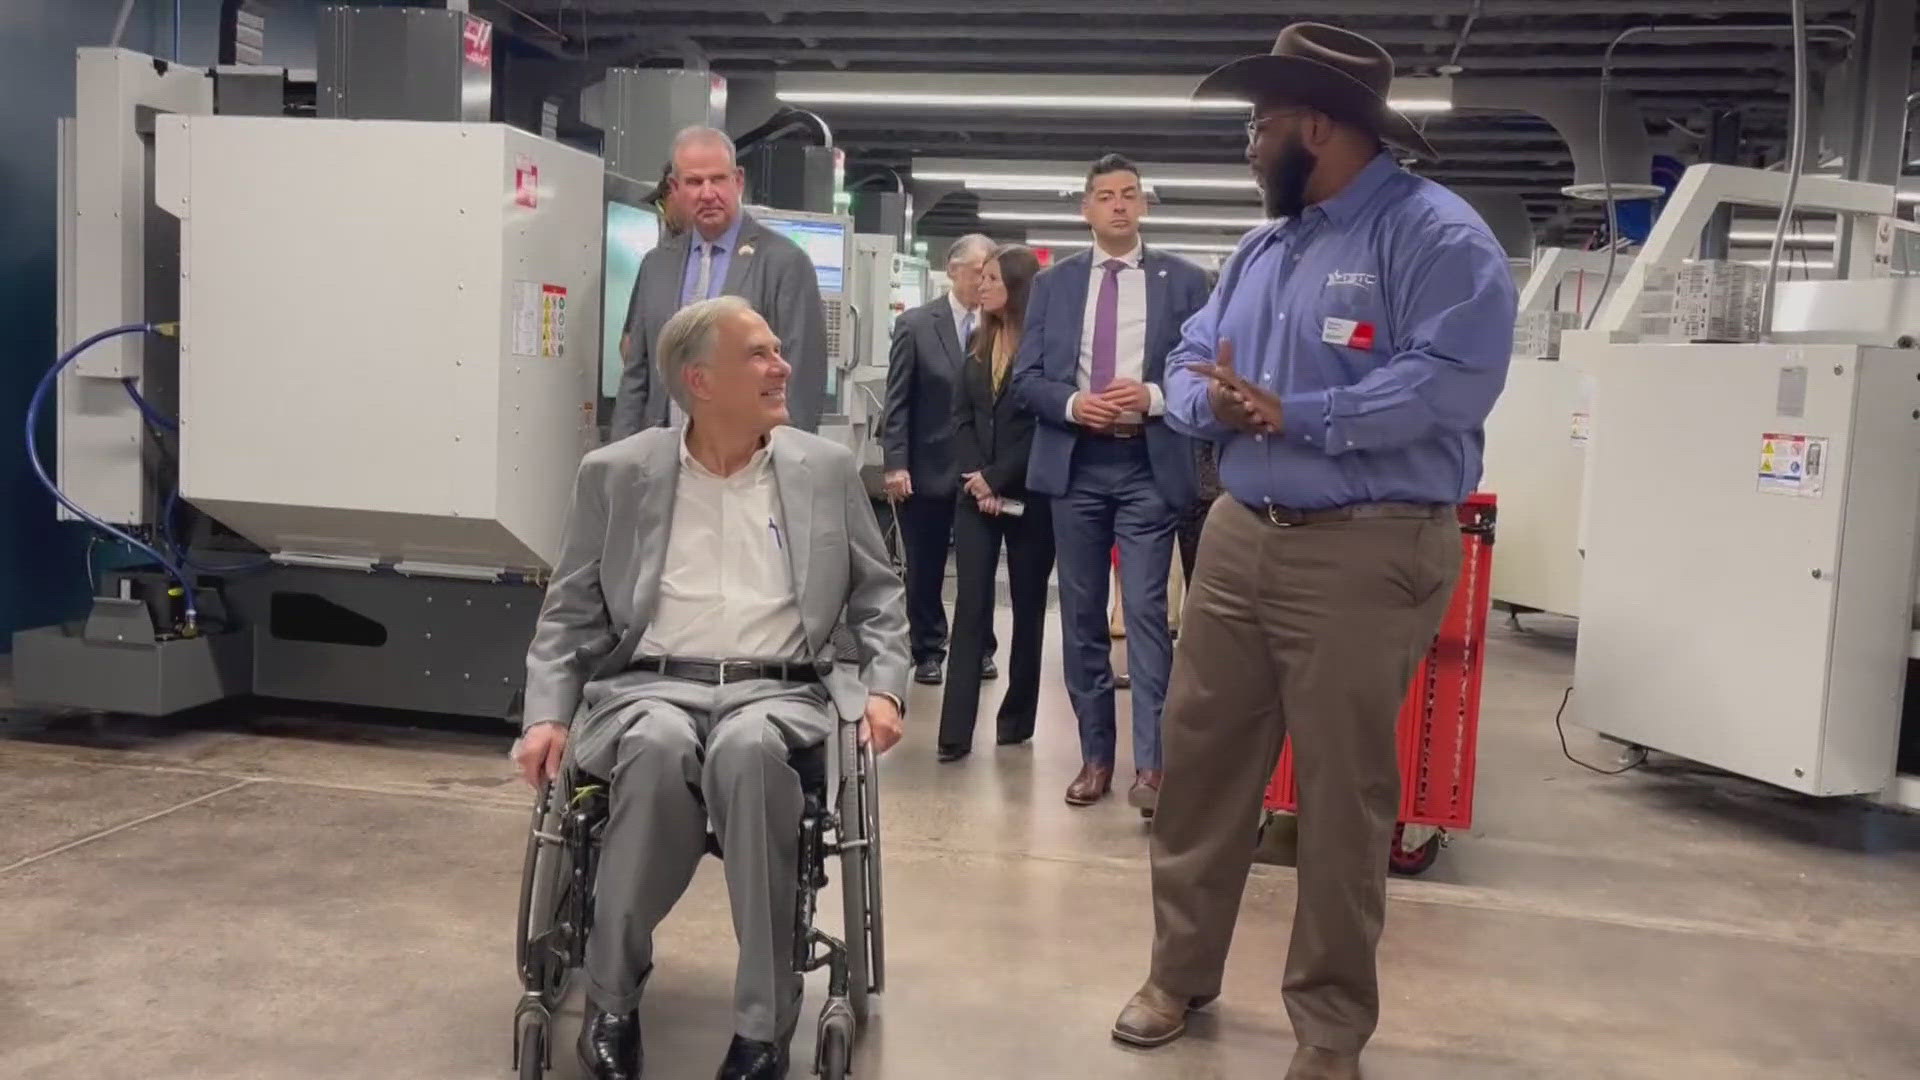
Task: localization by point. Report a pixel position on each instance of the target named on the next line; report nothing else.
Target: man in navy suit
(1099, 328)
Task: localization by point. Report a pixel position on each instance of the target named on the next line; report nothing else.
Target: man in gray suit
(722, 251)
(684, 651)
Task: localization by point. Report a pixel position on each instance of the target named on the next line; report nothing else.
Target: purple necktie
(1106, 326)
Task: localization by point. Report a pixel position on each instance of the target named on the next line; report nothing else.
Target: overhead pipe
(1796, 159)
(783, 123)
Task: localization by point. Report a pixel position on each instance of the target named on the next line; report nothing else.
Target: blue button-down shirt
(722, 259)
(1392, 258)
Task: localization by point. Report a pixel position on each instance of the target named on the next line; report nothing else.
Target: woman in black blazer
(991, 441)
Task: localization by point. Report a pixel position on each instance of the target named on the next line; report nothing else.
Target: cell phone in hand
(1012, 507)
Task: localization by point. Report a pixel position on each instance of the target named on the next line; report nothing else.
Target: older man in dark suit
(923, 394)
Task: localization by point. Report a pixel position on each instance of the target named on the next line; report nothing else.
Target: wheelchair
(840, 817)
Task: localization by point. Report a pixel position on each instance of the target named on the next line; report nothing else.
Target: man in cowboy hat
(1344, 366)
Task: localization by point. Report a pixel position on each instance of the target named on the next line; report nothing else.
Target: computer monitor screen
(631, 233)
(825, 242)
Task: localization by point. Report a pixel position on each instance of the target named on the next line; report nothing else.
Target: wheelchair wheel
(876, 910)
(545, 879)
(836, 1051)
(533, 1052)
(854, 860)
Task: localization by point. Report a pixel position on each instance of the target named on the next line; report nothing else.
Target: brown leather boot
(1155, 1018)
(1144, 796)
(1313, 1063)
(1091, 785)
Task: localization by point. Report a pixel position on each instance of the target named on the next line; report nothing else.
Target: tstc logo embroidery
(1361, 281)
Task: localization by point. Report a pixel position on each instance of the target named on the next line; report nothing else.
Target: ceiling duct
(1575, 112)
(1506, 216)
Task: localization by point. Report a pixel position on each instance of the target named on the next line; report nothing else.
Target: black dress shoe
(952, 753)
(989, 669)
(610, 1045)
(751, 1060)
(928, 673)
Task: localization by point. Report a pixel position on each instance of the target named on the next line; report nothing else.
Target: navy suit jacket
(1046, 372)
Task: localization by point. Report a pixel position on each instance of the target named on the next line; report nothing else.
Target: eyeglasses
(1259, 123)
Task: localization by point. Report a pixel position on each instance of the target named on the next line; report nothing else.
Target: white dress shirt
(960, 317)
(1130, 337)
(726, 588)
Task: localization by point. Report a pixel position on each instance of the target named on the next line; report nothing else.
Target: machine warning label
(1793, 465)
(539, 320)
(526, 182)
(477, 38)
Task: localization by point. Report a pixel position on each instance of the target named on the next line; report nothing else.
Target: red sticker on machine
(478, 39)
(526, 182)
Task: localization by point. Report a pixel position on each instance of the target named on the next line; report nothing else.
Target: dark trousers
(1312, 632)
(1111, 500)
(1191, 523)
(926, 529)
(976, 540)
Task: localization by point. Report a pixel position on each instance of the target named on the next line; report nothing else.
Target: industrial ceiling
(1678, 82)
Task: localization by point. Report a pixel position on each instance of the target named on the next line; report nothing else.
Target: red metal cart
(1440, 722)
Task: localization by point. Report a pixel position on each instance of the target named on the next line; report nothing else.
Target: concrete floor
(291, 892)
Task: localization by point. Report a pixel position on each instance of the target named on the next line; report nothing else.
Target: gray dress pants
(679, 755)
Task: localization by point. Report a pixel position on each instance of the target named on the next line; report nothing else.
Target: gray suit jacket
(776, 277)
(605, 588)
(923, 398)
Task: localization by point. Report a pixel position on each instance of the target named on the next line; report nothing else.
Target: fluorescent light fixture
(1076, 102)
(1243, 223)
(1065, 182)
(1073, 93)
(899, 99)
(1189, 246)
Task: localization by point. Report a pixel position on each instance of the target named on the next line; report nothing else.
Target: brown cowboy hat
(1322, 67)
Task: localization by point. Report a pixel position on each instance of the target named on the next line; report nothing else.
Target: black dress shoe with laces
(610, 1045)
(748, 1059)
(927, 673)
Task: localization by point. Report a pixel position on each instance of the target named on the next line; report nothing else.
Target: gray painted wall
(42, 575)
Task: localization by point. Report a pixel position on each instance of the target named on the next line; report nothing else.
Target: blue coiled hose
(40, 392)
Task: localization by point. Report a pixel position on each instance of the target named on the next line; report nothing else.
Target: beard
(1284, 187)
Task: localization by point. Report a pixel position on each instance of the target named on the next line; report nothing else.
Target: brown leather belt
(1284, 518)
(723, 672)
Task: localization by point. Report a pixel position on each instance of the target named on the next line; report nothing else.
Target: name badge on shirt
(1353, 335)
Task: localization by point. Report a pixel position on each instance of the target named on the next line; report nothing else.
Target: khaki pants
(1312, 631)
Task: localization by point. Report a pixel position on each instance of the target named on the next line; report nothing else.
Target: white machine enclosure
(1536, 451)
(114, 248)
(389, 339)
(1753, 618)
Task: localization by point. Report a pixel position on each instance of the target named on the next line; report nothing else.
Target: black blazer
(923, 397)
(993, 435)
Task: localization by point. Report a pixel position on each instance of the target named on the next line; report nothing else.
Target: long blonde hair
(998, 338)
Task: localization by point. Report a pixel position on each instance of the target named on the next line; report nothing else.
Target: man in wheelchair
(683, 656)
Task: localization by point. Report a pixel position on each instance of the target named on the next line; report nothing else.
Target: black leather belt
(722, 672)
(1120, 431)
(1282, 517)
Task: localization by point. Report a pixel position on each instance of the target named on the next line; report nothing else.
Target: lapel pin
(746, 249)
(1163, 273)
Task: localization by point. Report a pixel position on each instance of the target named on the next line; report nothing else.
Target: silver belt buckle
(1273, 518)
(727, 666)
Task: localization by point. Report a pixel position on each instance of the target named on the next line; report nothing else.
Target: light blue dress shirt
(722, 259)
(1383, 319)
